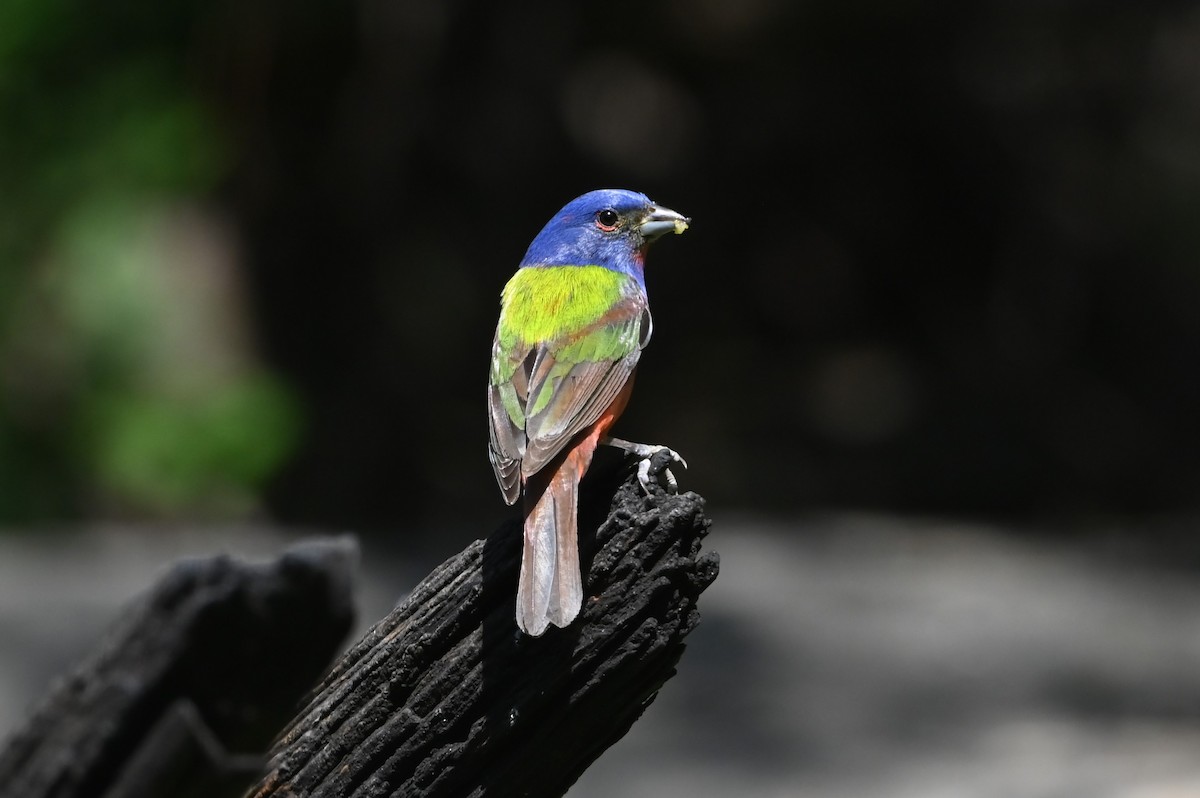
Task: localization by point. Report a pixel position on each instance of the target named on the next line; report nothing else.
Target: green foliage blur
(128, 384)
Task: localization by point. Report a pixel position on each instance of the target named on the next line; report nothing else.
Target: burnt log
(211, 661)
(446, 697)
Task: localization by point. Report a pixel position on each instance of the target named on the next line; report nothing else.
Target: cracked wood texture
(212, 659)
(445, 697)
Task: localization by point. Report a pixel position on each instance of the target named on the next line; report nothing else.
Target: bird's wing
(508, 390)
(571, 381)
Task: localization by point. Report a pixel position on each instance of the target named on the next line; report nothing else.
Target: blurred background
(945, 263)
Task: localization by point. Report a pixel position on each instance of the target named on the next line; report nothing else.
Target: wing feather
(581, 389)
(558, 388)
(506, 439)
(586, 391)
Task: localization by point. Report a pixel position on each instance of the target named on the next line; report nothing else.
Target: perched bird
(573, 322)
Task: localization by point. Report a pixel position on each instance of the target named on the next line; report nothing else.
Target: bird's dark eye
(608, 220)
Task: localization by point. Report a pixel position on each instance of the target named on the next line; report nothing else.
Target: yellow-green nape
(542, 303)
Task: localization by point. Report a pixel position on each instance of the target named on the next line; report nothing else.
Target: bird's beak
(662, 220)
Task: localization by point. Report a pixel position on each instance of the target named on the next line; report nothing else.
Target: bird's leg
(645, 451)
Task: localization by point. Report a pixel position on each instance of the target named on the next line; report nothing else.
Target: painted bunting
(573, 322)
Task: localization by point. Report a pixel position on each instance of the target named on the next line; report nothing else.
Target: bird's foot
(655, 460)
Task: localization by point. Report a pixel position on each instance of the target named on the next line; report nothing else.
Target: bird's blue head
(608, 227)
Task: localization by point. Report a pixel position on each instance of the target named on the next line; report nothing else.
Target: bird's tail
(550, 590)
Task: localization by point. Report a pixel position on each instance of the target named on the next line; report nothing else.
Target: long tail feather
(550, 590)
(566, 592)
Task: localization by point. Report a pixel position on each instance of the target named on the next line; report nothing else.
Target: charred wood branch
(445, 697)
(213, 659)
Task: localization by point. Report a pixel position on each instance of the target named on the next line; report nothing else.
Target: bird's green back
(545, 303)
(578, 314)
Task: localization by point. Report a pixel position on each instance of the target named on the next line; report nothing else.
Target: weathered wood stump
(211, 660)
(445, 697)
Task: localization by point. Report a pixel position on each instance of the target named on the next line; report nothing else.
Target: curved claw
(645, 479)
(659, 461)
(644, 476)
(647, 452)
(675, 456)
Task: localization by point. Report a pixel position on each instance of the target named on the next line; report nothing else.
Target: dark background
(944, 269)
(943, 259)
